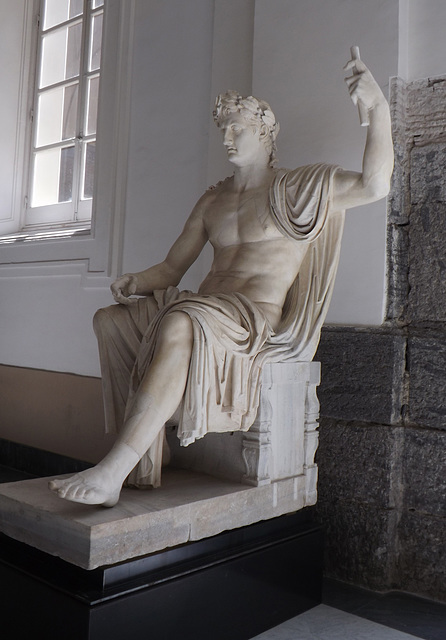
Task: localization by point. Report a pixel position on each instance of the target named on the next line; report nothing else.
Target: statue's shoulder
(309, 173)
(219, 185)
(284, 174)
(210, 196)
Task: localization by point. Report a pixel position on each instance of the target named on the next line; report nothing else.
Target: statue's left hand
(362, 85)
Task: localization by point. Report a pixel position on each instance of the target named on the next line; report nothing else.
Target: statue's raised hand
(124, 287)
(362, 86)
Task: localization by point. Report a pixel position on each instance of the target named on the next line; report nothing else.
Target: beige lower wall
(57, 412)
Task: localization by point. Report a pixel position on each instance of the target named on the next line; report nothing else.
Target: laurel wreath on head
(232, 101)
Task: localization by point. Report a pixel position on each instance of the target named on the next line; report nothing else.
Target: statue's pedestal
(111, 580)
(189, 506)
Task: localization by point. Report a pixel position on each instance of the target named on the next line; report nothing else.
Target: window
(39, 235)
(61, 179)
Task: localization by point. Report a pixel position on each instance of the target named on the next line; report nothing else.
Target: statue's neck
(252, 177)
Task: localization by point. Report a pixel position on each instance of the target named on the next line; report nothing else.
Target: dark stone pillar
(382, 454)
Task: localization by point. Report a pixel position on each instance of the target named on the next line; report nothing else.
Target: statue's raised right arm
(352, 189)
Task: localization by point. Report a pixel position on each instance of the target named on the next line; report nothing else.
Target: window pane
(55, 12)
(61, 52)
(92, 107)
(56, 115)
(76, 8)
(66, 174)
(69, 119)
(96, 39)
(53, 176)
(74, 44)
(97, 3)
(89, 157)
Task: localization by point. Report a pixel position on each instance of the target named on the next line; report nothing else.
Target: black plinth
(229, 587)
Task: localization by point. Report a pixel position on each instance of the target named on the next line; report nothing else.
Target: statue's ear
(264, 132)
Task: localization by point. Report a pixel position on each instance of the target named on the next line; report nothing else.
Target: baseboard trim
(37, 462)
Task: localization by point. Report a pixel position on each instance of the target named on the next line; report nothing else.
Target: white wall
(422, 41)
(46, 321)
(169, 126)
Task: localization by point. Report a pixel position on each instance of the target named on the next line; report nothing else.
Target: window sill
(36, 235)
(38, 246)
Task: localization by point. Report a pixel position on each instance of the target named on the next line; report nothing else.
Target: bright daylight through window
(65, 112)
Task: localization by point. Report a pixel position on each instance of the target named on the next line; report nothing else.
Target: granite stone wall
(382, 453)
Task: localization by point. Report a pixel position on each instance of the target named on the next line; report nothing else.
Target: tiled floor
(327, 623)
(412, 615)
(349, 613)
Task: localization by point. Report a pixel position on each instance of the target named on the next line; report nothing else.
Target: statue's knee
(98, 319)
(101, 320)
(177, 327)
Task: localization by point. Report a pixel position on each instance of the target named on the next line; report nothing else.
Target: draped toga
(232, 338)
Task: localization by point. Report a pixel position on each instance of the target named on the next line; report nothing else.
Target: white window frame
(86, 250)
(78, 211)
(12, 219)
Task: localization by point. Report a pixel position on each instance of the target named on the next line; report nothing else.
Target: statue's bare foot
(101, 484)
(92, 486)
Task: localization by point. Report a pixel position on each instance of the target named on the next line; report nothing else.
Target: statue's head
(256, 112)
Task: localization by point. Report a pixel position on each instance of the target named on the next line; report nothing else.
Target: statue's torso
(251, 255)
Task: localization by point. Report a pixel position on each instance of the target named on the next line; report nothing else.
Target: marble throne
(281, 444)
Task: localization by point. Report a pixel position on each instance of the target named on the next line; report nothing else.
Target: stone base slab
(231, 586)
(189, 506)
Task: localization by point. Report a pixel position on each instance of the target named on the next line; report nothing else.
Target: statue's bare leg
(158, 396)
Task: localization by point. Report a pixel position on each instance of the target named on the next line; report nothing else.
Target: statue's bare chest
(241, 218)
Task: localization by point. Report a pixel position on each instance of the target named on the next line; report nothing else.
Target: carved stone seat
(280, 444)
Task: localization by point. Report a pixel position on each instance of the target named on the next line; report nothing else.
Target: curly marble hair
(255, 111)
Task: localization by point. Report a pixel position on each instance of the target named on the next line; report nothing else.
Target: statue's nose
(227, 138)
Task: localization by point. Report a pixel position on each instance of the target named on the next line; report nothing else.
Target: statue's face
(242, 141)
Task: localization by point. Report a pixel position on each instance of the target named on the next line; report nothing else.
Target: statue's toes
(67, 488)
(55, 485)
(77, 489)
(63, 491)
(77, 492)
(59, 487)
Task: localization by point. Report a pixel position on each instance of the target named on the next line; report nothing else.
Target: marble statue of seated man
(275, 236)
